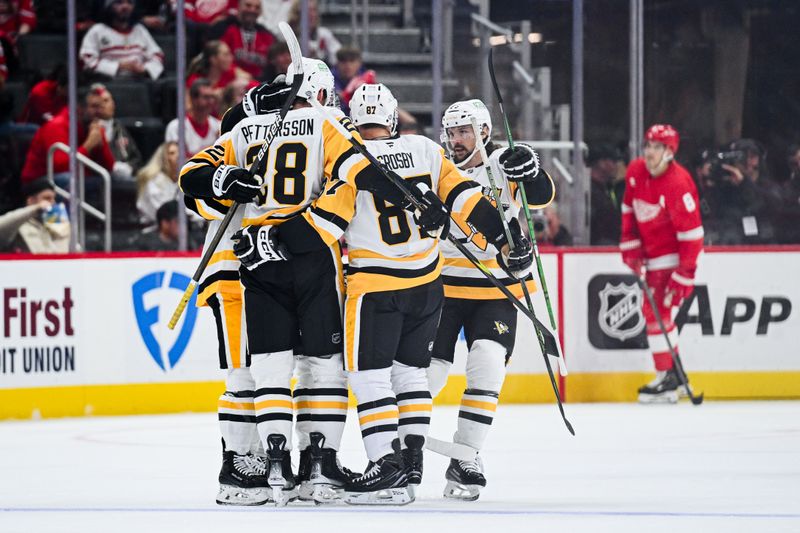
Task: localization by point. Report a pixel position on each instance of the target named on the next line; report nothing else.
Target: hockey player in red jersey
(662, 235)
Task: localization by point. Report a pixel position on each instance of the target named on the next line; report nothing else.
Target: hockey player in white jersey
(394, 287)
(291, 308)
(488, 318)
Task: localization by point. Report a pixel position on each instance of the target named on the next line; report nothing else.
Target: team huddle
(386, 325)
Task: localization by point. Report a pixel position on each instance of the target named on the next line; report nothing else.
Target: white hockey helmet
(374, 104)
(316, 77)
(460, 114)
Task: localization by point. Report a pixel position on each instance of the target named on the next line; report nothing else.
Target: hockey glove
(434, 217)
(520, 164)
(632, 256)
(234, 183)
(266, 98)
(516, 258)
(256, 245)
(679, 287)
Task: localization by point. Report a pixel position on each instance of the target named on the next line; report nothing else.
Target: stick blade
(293, 44)
(453, 450)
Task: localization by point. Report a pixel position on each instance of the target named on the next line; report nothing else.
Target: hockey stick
(527, 212)
(507, 230)
(551, 346)
(255, 170)
(453, 450)
(676, 359)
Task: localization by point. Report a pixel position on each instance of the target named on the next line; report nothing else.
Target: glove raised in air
(520, 164)
(266, 98)
(256, 245)
(234, 183)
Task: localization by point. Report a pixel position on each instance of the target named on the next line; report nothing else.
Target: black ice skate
(385, 482)
(464, 479)
(665, 388)
(280, 478)
(322, 477)
(242, 480)
(412, 459)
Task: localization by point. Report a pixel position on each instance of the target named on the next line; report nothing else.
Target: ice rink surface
(718, 467)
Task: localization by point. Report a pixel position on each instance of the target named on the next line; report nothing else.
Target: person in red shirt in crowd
(46, 98)
(17, 17)
(662, 237)
(248, 40)
(215, 64)
(201, 17)
(91, 139)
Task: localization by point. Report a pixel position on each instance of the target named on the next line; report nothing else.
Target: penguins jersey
(386, 250)
(461, 278)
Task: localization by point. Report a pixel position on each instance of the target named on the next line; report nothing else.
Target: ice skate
(323, 477)
(412, 460)
(464, 480)
(663, 389)
(242, 480)
(280, 478)
(385, 482)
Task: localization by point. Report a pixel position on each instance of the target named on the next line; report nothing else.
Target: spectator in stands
(234, 93)
(91, 137)
(349, 74)
(201, 17)
(166, 235)
(16, 18)
(46, 98)
(273, 12)
(127, 157)
(157, 181)
(248, 40)
(202, 128)
(549, 229)
(118, 47)
(215, 64)
(278, 60)
(156, 15)
(788, 217)
(606, 196)
(322, 44)
(40, 227)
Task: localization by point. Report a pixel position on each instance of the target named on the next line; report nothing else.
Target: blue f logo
(147, 318)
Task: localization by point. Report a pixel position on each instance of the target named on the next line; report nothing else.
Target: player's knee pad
(239, 379)
(437, 375)
(486, 365)
(272, 369)
(321, 371)
(371, 385)
(407, 378)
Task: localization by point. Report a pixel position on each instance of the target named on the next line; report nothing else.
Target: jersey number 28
(289, 183)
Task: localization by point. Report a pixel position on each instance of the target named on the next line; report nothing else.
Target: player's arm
(630, 243)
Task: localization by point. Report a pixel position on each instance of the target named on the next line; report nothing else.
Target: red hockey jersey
(661, 218)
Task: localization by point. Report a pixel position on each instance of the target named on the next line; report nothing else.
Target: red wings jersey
(661, 217)
(250, 48)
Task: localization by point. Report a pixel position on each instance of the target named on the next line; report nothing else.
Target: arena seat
(132, 98)
(40, 53)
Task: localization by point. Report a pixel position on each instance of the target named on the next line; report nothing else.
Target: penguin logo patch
(500, 327)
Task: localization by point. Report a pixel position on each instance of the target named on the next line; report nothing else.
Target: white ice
(718, 467)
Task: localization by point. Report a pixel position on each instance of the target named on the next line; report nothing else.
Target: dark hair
(201, 63)
(167, 212)
(348, 53)
(603, 151)
(199, 83)
(277, 48)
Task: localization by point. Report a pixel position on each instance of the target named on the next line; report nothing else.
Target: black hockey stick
(676, 359)
(256, 169)
(550, 343)
(526, 210)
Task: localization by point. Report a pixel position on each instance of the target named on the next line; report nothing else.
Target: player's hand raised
(234, 183)
(266, 98)
(520, 164)
(256, 245)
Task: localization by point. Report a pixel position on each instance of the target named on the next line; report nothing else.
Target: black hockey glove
(434, 217)
(255, 245)
(266, 98)
(520, 164)
(234, 183)
(517, 259)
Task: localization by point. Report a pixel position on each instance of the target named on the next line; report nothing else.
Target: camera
(717, 159)
(539, 222)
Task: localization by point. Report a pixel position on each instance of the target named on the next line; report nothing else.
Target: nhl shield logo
(620, 315)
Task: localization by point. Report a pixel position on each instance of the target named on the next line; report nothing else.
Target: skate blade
(664, 397)
(326, 494)
(305, 492)
(230, 495)
(396, 496)
(412, 490)
(281, 496)
(459, 491)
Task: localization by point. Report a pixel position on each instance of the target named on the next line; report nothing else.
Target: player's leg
(373, 326)
(665, 387)
(321, 391)
(450, 324)
(490, 332)
(242, 478)
(272, 332)
(422, 307)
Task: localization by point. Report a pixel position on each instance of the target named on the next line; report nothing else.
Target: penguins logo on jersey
(500, 327)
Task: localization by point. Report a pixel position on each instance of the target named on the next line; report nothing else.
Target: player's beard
(460, 153)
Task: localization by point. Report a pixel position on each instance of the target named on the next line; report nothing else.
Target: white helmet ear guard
(316, 77)
(460, 114)
(374, 104)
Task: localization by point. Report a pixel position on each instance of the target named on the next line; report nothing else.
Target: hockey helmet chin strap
(466, 160)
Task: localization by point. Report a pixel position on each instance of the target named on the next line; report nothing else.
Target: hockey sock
(320, 398)
(485, 375)
(272, 373)
(437, 375)
(658, 344)
(377, 410)
(410, 384)
(237, 418)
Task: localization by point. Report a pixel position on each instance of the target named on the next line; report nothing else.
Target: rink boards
(87, 334)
